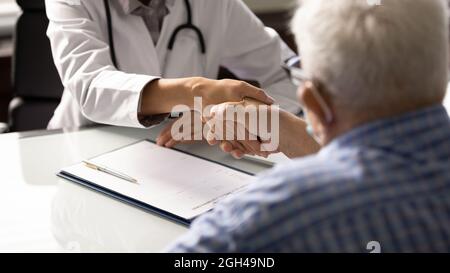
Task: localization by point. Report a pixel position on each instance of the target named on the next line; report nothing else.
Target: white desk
(40, 212)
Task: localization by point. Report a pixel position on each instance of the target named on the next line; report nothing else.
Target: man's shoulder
(317, 168)
(326, 176)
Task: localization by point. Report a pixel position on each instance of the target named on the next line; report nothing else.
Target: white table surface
(40, 212)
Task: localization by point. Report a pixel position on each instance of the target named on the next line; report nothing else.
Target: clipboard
(76, 175)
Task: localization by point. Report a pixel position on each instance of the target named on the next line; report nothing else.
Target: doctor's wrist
(215, 92)
(193, 87)
(162, 95)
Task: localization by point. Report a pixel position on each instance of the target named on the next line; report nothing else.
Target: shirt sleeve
(252, 51)
(82, 58)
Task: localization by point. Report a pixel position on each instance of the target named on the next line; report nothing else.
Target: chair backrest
(37, 88)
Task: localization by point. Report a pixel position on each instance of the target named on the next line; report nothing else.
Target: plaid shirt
(388, 182)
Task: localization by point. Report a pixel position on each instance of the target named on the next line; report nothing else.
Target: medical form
(168, 180)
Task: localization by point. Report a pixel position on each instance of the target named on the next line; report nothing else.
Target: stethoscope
(188, 25)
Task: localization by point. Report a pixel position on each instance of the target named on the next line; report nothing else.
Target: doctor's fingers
(230, 148)
(211, 137)
(167, 138)
(246, 90)
(165, 135)
(170, 141)
(172, 135)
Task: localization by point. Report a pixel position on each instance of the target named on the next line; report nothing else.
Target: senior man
(377, 78)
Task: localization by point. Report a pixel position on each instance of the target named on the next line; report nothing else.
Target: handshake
(245, 126)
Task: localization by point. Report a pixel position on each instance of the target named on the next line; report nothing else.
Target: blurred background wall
(8, 15)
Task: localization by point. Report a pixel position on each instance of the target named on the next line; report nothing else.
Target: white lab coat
(95, 92)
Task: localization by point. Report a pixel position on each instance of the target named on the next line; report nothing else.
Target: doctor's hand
(163, 95)
(215, 92)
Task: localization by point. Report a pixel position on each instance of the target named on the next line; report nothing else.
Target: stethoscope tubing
(188, 25)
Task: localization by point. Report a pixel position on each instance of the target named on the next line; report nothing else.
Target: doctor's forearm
(160, 96)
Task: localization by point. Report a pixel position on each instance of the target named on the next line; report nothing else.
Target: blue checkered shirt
(386, 183)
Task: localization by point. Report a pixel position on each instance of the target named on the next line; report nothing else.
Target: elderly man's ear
(317, 108)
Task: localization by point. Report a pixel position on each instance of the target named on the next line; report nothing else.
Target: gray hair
(374, 53)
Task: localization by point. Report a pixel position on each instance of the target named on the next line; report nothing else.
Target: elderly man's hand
(238, 127)
(170, 136)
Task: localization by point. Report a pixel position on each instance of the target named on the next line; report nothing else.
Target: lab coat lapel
(185, 59)
(169, 24)
(150, 49)
(134, 46)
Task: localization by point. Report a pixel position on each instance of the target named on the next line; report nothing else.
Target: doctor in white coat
(123, 73)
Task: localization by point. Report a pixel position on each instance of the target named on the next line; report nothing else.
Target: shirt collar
(129, 6)
(391, 129)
